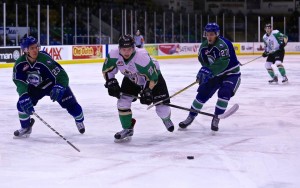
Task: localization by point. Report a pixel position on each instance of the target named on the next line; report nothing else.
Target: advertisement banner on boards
(246, 48)
(151, 49)
(59, 52)
(87, 52)
(178, 49)
(237, 48)
(292, 47)
(9, 55)
(259, 47)
(189, 49)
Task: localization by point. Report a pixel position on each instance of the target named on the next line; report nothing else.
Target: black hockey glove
(113, 87)
(146, 96)
(282, 45)
(265, 54)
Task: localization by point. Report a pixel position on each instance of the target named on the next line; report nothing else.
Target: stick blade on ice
(229, 112)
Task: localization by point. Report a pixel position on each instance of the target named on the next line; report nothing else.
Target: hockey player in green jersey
(37, 75)
(220, 72)
(141, 76)
(274, 50)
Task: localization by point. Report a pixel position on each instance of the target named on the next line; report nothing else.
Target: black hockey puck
(190, 157)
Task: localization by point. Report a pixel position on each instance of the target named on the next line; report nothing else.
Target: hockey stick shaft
(191, 110)
(242, 64)
(175, 106)
(226, 114)
(178, 92)
(56, 131)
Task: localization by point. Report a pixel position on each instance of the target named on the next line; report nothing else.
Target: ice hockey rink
(257, 147)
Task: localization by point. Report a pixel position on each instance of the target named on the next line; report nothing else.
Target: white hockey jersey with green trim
(273, 41)
(139, 68)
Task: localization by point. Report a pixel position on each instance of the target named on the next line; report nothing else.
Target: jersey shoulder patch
(46, 60)
(204, 44)
(265, 37)
(223, 43)
(114, 53)
(142, 57)
(20, 59)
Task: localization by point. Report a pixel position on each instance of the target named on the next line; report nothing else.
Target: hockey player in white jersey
(274, 50)
(141, 76)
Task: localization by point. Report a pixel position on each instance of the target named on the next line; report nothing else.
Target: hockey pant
(160, 92)
(226, 86)
(67, 102)
(277, 59)
(279, 65)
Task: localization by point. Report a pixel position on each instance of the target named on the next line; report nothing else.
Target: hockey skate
(126, 134)
(80, 127)
(274, 80)
(215, 124)
(169, 125)
(284, 79)
(186, 122)
(24, 132)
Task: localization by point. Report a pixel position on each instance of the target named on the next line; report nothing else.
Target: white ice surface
(257, 147)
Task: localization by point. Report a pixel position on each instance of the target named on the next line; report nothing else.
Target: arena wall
(77, 54)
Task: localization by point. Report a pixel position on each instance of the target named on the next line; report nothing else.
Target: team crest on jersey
(210, 59)
(221, 46)
(25, 67)
(120, 63)
(34, 78)
(150, 70)
(209, 56)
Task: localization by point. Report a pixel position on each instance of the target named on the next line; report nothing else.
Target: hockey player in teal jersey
(220, 72)
(37, 75)
(274, 51)
(141, 76)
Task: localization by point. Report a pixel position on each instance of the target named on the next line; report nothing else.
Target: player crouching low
(220, 72)
(274, 51)
(37, 75)
(141, 76)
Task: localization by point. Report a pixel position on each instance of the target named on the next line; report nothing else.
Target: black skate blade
(123, 140)
(82, 130)
(182, 129)
(214, 128)
(25, 135)
(21, 137)
(171, 129)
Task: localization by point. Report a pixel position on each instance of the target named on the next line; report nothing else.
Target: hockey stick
(55, 131)
(161, 101)
(242, 64)
(226, 114)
